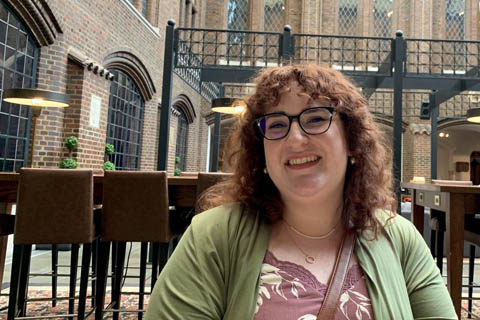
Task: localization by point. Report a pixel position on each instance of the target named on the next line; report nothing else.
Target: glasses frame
(331, 110)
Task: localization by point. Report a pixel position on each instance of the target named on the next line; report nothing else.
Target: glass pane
(12, 37)
(9, 58)
(22, 41)
(3, 123)
(3, 142)
(3, 13)
(3, 32)
(20, 63)
(13, 129)
(20, 149)
(9, 165)
(11, 148)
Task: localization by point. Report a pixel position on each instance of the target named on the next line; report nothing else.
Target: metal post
(286, 44)
(434, 111)
(216, 142)
(216, 135)
(399, 46)
(162, 159)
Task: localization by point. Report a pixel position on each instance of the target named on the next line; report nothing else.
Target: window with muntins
(182, 139)
(125, 122)
(382, 18)
(347, 17)
(274, 15)
(455, 19)
(18, 64)
(237, 15)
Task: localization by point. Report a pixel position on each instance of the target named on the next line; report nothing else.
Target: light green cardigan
(214, 271)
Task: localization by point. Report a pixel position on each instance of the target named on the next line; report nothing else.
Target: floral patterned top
(290, 291)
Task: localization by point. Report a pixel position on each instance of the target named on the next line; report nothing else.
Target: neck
(314, 220)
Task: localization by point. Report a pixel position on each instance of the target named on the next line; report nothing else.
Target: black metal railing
(345, 53)
(448, 58)
(232, 48)
(192, 76)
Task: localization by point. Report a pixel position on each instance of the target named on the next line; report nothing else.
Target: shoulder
(394, 231)
(228, 220)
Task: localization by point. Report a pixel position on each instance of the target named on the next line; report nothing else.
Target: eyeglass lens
(312, 121)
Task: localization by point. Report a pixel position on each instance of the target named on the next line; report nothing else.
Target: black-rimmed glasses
(275, 126)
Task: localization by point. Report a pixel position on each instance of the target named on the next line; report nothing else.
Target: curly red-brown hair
(367, 181)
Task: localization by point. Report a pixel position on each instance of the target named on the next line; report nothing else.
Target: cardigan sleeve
(429, 297)
(192, 283)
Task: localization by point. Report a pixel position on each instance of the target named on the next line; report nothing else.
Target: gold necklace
(324, 236)
(308, 257)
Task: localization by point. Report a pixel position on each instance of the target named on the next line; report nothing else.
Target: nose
(296, 134)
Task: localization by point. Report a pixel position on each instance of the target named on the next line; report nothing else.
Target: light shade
(36, 97)
(228, 105)
(473, 115)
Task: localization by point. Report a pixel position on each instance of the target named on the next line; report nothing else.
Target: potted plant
(108, 165)
(71, 143)
(177, 171)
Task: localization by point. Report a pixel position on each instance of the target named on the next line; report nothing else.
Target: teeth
(302, 160)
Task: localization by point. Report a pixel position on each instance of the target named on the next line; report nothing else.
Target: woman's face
(306, 167)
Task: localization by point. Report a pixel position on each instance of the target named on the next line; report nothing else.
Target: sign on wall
(95, 106)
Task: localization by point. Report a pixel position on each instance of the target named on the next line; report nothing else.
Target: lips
(302, 160)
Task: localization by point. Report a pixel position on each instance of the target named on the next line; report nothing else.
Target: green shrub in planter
(68, 163)
(71, 143)
(109, 149)
(177, 172)
(108, 166)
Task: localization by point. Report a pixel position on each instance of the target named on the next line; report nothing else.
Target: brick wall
(93, 31)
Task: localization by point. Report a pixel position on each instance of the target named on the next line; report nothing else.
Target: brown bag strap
(332, 297)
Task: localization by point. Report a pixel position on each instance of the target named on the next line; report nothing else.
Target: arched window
(18, 64)
(125, 122)
(182, 138)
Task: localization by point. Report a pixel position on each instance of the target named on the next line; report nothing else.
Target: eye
(277, 125)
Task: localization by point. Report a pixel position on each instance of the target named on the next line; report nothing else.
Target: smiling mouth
(299, 161)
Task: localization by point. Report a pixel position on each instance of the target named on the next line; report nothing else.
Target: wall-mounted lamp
(443, 135)
(36, 99)
(473, 115)
(228, 105)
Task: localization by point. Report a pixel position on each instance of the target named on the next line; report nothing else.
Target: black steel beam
(228, 74)
(397, 114)
(434, 111)
(167, 84)
(385, 67)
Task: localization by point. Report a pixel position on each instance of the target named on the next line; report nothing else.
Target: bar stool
(54, 206)
(7, 224)
(135, 209)
(472, 236)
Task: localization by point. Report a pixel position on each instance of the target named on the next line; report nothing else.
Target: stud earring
(265, 171)
(352, 160)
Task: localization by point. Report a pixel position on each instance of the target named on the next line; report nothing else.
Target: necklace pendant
(309, 259)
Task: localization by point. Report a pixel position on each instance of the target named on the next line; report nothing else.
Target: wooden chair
(207, 180)
(54, 206)
(135, 209)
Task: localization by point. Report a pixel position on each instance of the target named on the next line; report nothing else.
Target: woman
(310, 177)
